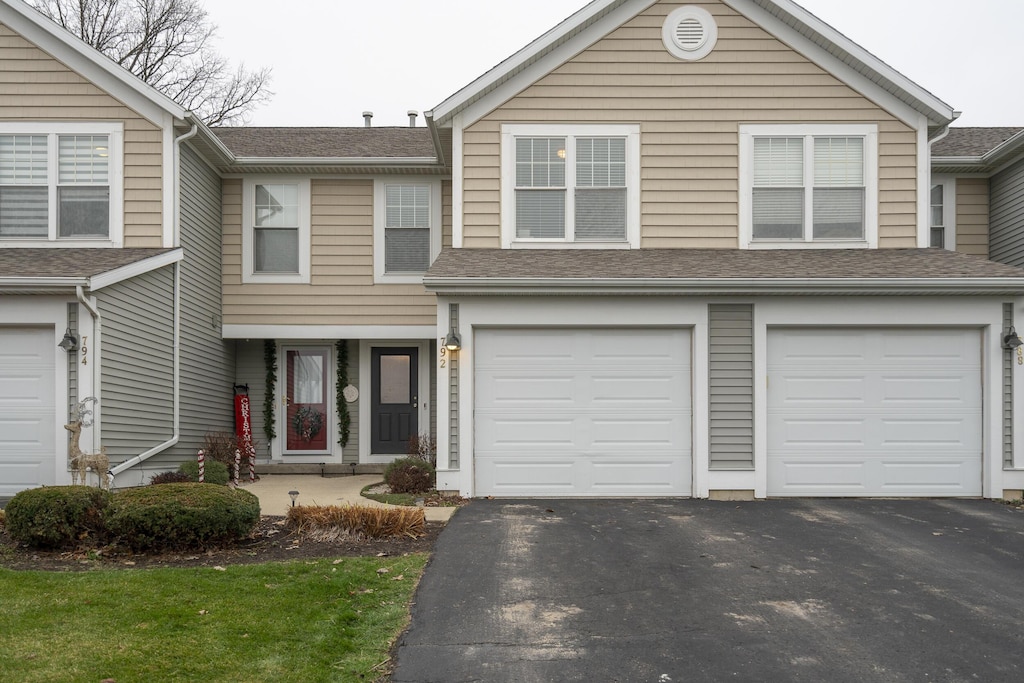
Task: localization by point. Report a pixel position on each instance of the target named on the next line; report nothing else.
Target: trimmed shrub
(170, 478)
(216, 472)
(57, 517)
(182, 516)
(409, 475)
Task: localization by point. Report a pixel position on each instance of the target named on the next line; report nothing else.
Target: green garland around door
(270, 360)
(344, 419)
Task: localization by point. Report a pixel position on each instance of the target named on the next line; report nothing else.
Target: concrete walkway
(272, 490)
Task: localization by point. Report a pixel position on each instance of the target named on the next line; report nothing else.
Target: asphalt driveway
(671, 591)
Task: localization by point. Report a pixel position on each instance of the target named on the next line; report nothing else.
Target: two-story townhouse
(109, 265)
(327, 233)
(690, 257)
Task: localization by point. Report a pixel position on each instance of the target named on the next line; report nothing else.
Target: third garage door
(876, 412)
(582, 412)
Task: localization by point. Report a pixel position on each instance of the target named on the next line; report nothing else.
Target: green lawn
(318, 620)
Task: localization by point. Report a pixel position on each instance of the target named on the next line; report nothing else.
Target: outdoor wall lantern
(453, 342)
(293, 495)
(1011, 340)
(70, 342)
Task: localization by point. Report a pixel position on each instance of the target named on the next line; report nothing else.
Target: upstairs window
(570, 186)
(942, 213)
(407, 228)
(60, 186)
(276, 230)
(808, 186)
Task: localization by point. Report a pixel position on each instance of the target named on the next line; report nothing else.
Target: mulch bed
(271, 541)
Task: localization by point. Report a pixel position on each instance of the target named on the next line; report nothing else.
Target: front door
(307, 415)
(395, 392)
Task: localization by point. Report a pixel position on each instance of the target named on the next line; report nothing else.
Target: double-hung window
(60, 185)
(808, 186)
(407, 228)
(276, 230)
(570, 186)
(942, 213)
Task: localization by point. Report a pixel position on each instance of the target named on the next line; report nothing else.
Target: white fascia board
(539, 57)
(89, 62)
(716, 286)
(336, 161)
(298, 332)
(112, 277)
(921, 101)
(42, 283)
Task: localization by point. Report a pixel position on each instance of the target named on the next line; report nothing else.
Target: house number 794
(85, 350)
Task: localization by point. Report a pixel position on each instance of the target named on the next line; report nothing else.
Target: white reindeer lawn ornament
(81, 462)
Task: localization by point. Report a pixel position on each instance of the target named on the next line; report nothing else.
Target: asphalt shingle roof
(328, 143)
(794, 264)
(972, 142)
(70, 263)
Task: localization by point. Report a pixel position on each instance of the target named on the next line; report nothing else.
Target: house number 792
(442, 352)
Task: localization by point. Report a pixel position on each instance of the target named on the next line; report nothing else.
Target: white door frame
(366, 392)
(332, 453)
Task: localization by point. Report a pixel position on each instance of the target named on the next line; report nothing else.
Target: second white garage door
(582, 412)
(878, 412)
(27, 406)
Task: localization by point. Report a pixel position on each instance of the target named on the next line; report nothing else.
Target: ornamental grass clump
(334, 522)
(58, 517)
(182, 516)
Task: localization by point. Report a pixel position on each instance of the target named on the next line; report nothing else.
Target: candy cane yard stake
(202, 466)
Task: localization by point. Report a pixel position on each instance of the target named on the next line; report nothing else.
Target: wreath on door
(307, 423)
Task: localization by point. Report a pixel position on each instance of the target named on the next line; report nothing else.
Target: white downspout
(176, 425)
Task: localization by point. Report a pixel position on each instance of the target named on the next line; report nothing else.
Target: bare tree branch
(166, 43)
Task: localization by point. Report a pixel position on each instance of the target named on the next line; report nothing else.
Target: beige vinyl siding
(342, 290)
(36, 87)
(972, 216)
(689, 114)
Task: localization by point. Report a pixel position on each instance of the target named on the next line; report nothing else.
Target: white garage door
(879, 412)
(582, 412)
(27, 442)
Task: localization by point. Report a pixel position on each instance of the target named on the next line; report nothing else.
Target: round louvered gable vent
(689, 33)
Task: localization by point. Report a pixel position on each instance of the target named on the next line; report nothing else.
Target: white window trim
(114, 130)
(746, 142)
(948, 183)
(510, 132)
(379, 184)
(248, 197)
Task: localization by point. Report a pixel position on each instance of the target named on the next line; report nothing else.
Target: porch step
(315, 468)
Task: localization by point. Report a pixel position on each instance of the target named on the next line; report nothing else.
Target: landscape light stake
(293, 495)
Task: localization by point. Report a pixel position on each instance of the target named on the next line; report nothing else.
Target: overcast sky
(333, 59)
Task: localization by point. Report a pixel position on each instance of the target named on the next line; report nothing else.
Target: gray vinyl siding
(351, 450)
(453, 394)
(433, 389)
(73, 359)
(250, 370)
(1008, 361)
(207, 362)
(1006, 216)
(136, 344)
(731, 382)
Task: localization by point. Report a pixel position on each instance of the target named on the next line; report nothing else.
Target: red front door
(307, 415)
